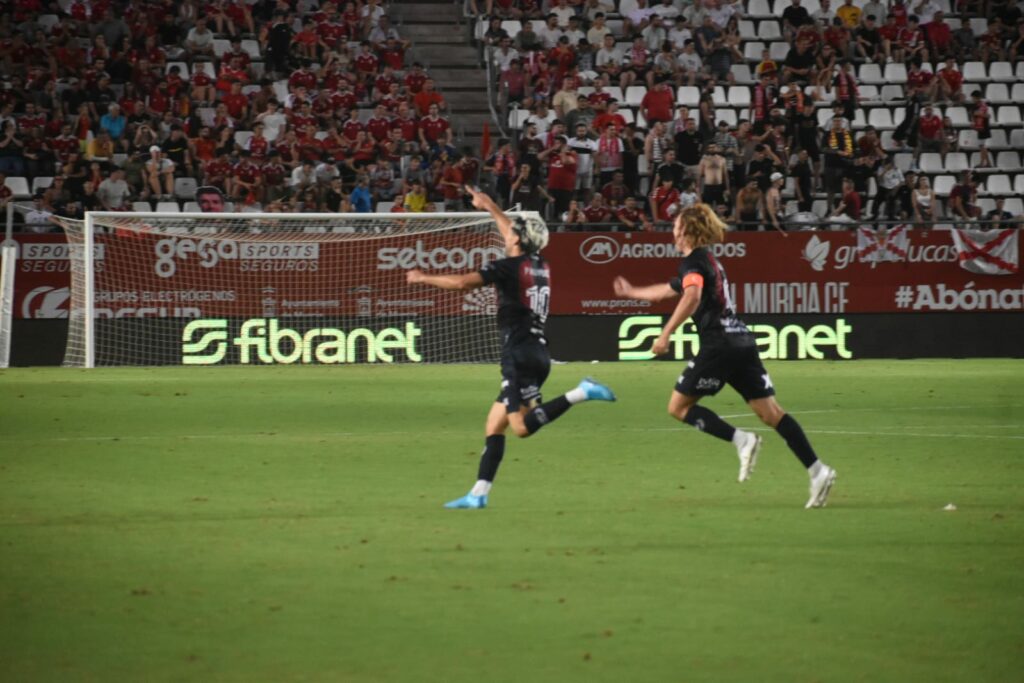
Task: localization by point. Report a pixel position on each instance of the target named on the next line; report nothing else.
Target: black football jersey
(715, 316)
(523, 284)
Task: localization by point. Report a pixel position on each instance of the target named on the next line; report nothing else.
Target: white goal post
(277, 288)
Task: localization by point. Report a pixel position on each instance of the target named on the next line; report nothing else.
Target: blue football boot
(467, 502)
(595, 391)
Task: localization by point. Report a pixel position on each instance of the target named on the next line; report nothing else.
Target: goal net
(258, 289)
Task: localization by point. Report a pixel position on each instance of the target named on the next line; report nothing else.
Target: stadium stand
(235, 95)
(920, 103)
(239, 97)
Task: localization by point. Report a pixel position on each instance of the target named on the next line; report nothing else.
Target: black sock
(494, 451)
(790, 430)
(707, 421)
(546, 412)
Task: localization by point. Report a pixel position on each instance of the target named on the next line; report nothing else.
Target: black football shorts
(524, 368)
(738, 366)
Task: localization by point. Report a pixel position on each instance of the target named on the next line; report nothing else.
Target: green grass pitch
(285, 524)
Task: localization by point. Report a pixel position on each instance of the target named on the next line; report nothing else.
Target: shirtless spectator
(713, 176)
(748, 206)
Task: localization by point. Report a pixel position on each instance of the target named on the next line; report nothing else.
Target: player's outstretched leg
(821, 475)
(490, 458)
(748, 445)
(587, 390)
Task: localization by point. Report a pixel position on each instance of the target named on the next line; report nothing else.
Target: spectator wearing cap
(158, 174)
(773, 202)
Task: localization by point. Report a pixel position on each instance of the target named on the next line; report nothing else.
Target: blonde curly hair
(702, 225)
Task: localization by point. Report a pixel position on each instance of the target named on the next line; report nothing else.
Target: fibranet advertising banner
(297, 299)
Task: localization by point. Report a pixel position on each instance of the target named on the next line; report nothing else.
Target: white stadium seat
(1015, 205)
(871, 74)
(958, 115)
(881, 119)
(943, 184)
(183, 69)
(1001, 71)
(1009, 115)
(968, 139)
(18, 187)
(185, 188)
(41, 183)
(997, 93)
(956, 162)
(741, 74)
(758, 9)
(997, 185)
(974, 71)
(141, 206)
(769, 30)
(931, 162)
(739, 96)
(998, 140)
(903, 161)
(635, 94)
(168, 207)
(892, 93)
(869, 93)
(688, 96)
(895, 73)
(752, 51)
(779, 50)
(1008, 161)
(747, 30)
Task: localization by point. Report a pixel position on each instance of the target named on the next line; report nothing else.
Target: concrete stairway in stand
(441, 42)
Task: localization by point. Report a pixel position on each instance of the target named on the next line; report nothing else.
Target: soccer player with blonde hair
(728, 352)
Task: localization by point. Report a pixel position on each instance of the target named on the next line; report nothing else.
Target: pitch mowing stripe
(322, 435)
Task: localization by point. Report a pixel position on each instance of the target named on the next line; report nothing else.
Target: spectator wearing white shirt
(591, 8)
(574, 33)
(637, 19)
(113, 192)
(303, 177)
(542, 118)
(504, 55)
(655, 34)
(679, 34)
(549, 33)
(667, 10)
(274, 121)
(585, 149)
(37, 219)
(824, 14)
(723, 11)
(564, 13)
(598, 30)
(925, 11)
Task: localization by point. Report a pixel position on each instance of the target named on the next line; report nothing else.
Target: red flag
(485, 142)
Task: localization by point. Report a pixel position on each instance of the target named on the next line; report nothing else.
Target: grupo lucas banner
(160, 276)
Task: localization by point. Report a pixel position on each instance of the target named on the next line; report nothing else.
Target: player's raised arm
(483, 202)
(658, 292)
(463, 282)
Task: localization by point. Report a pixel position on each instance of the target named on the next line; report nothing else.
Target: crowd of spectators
(282, 105)
(774, 139)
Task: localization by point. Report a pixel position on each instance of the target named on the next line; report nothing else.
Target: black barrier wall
(584, 338)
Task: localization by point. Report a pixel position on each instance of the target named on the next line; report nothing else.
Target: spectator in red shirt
(849, 205)
(939, 36)
(434, 131)
(562, 162)
(657, 103)
(632, 216)
(427, 97)
(950, 82)
(379, 124)
(920, 82)
(930, 132)
(664, 200)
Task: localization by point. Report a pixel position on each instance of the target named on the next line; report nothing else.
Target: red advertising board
(302, 275)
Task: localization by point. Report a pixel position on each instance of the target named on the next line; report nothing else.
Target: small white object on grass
(594, 362)
(950, 507)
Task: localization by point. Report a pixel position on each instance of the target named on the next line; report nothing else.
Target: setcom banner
(814, 273)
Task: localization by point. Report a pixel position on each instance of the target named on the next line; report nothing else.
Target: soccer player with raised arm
(728, 353)
(523, 283)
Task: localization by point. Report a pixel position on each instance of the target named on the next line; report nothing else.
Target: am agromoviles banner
(900, 271)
